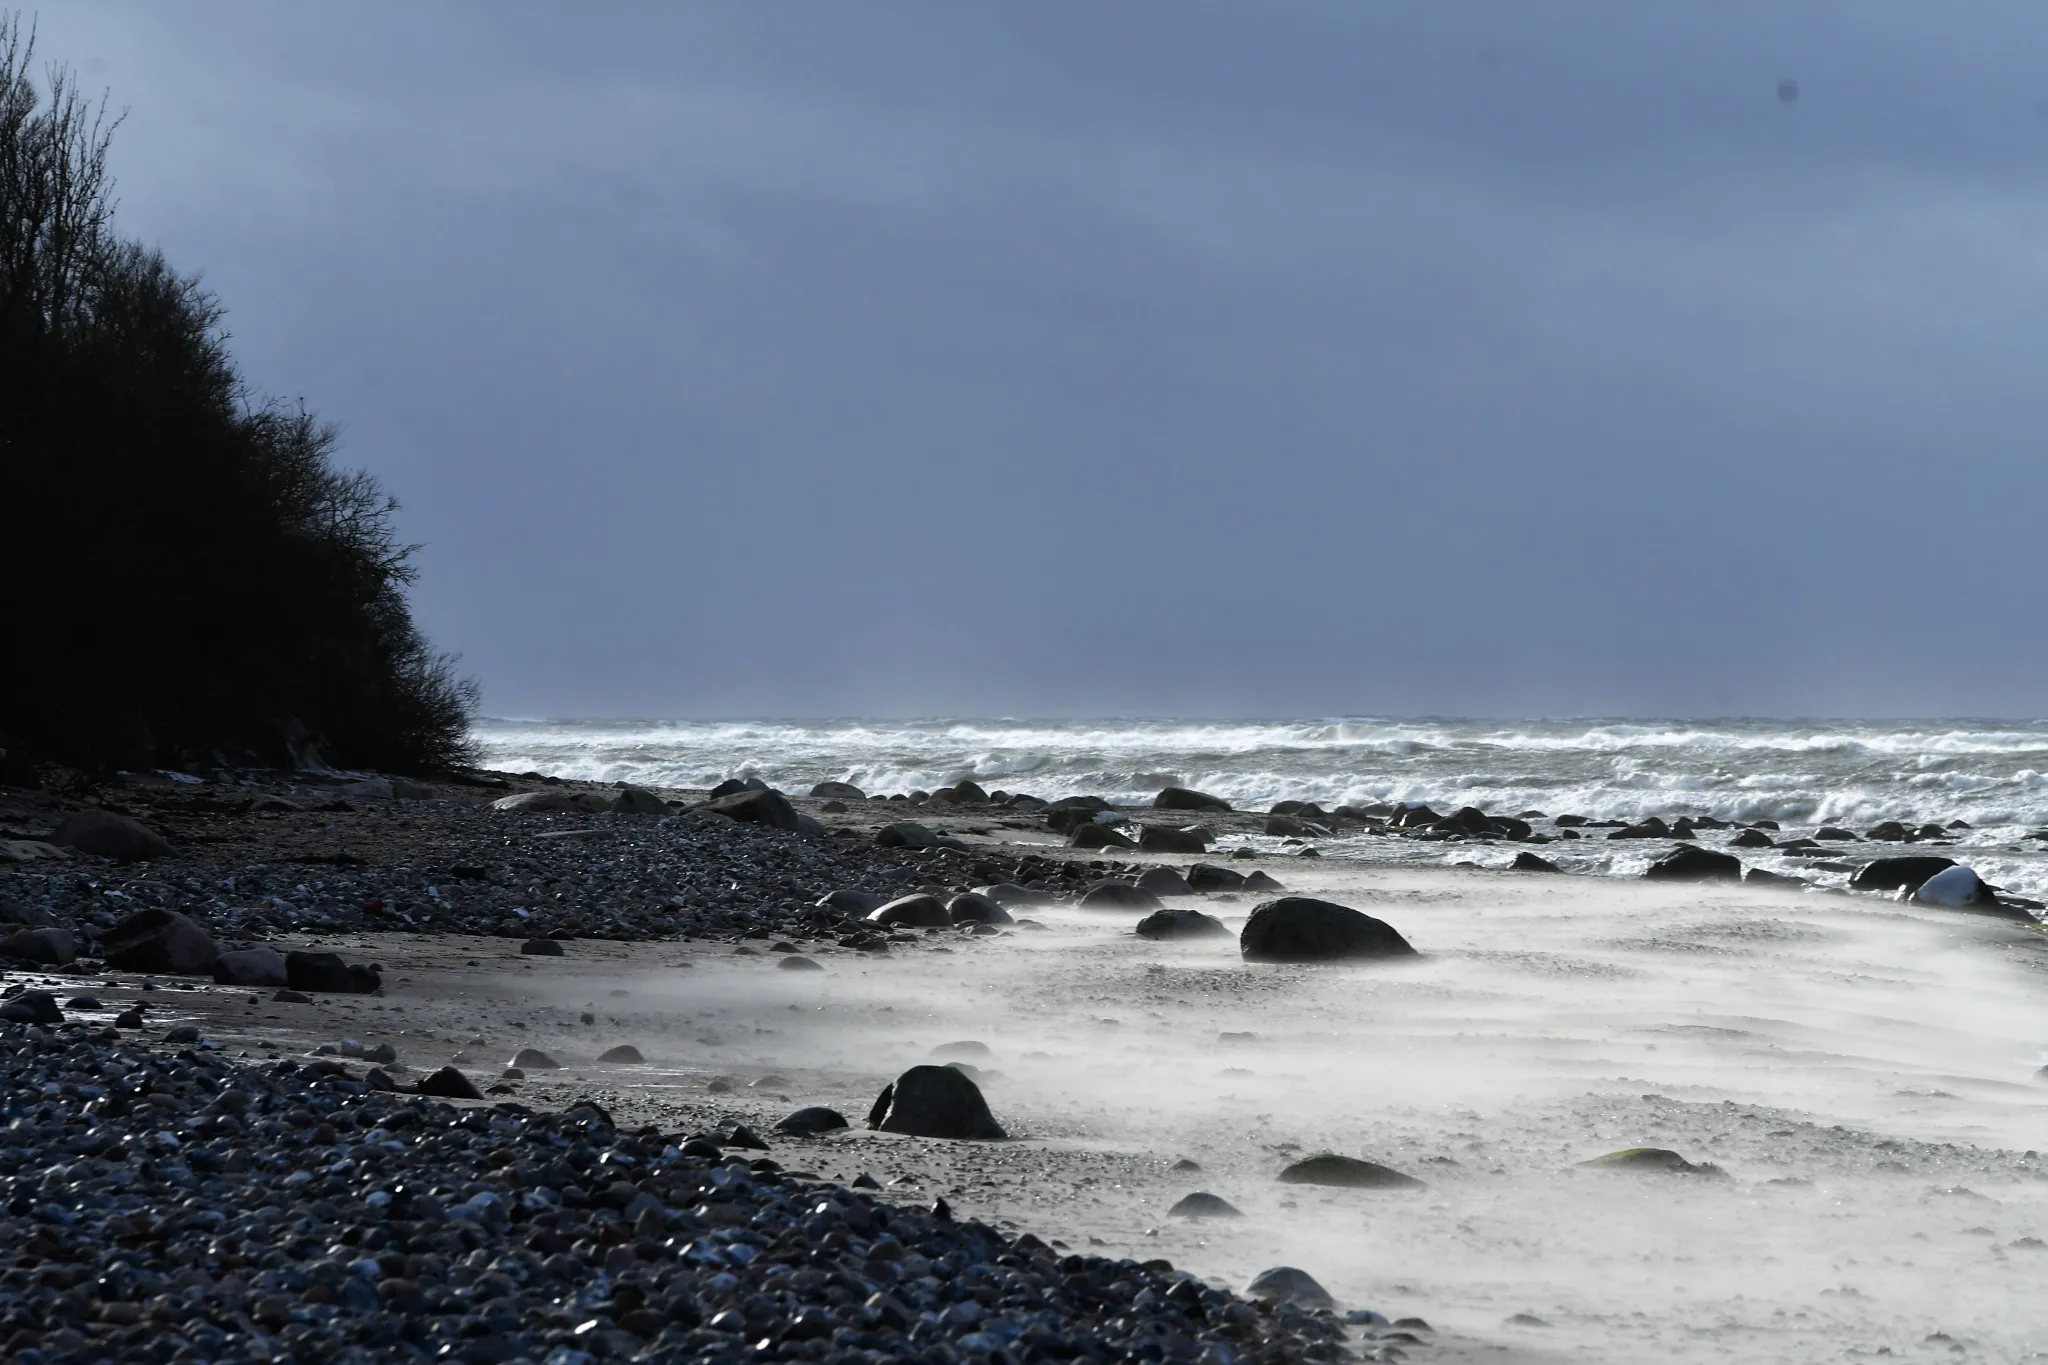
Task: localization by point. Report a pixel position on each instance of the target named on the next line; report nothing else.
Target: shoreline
(1096, 1133)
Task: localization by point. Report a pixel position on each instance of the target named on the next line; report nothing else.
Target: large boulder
(936, 1102)
(327, 972)
(1290, 827)
(1164, 881)
(1691, 863)
(1087, 803)
(918, 910)
(156, 940)
(1207, 877)
(251, 967)
(1118, 896)
(1166, 839)
(1302, 929)
(1897, 874)
(1183, 798)
(970, 907)
(839, 791)
(40, 947)
(638, 801)
(1100, 836)
(107, 835)
(770, 808)
(1181, 922)
(1530, 862)
(32, 1007)
(1752, 838)
(534, 803)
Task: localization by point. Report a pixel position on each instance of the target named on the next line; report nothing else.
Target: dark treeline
(186, 570)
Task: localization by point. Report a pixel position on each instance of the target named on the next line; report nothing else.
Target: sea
(1992, 775)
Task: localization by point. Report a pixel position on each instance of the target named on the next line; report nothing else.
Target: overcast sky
(1041, 358)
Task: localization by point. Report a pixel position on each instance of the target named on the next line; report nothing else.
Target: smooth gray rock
(250, 967)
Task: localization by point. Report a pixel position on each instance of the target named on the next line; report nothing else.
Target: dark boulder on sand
(935, 1102)
(1763, 876)
(1166, 839)
(918, 910)
(1293, 827)
(40, 947)
(107, 835)
(638, 801)
(1691, 863)
(840, 791)
(811, 1121)
(449, 1084)
(1256, 880)
(1285, 1284)
(1348, 1173)
(1164, 881)
(1118, 896)
(251, 967)
(763, 807)
(1181, 922)
(32, 1007)
(1302, 929)
(1092, 835)
(1207, 877)
(1202, 1204)
(327, 972)
(156, 940)
(1893, 874)
(970, 907)
(1649, 1161)
(1529, 862)
(1182, 798)
(541, 947)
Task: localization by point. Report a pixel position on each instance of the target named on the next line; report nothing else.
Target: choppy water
(1992, 774)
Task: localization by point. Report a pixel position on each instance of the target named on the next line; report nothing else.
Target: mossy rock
(1653, 1160)
(1347, 1173)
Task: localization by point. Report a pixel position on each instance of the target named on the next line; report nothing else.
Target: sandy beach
(1860, 1072)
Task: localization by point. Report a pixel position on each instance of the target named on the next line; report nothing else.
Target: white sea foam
(1992, 774)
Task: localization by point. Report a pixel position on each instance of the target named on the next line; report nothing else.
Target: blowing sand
(1862, 1072)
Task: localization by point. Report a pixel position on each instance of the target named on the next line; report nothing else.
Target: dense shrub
(186, 570)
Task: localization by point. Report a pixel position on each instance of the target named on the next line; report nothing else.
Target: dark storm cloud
(1136, 358)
